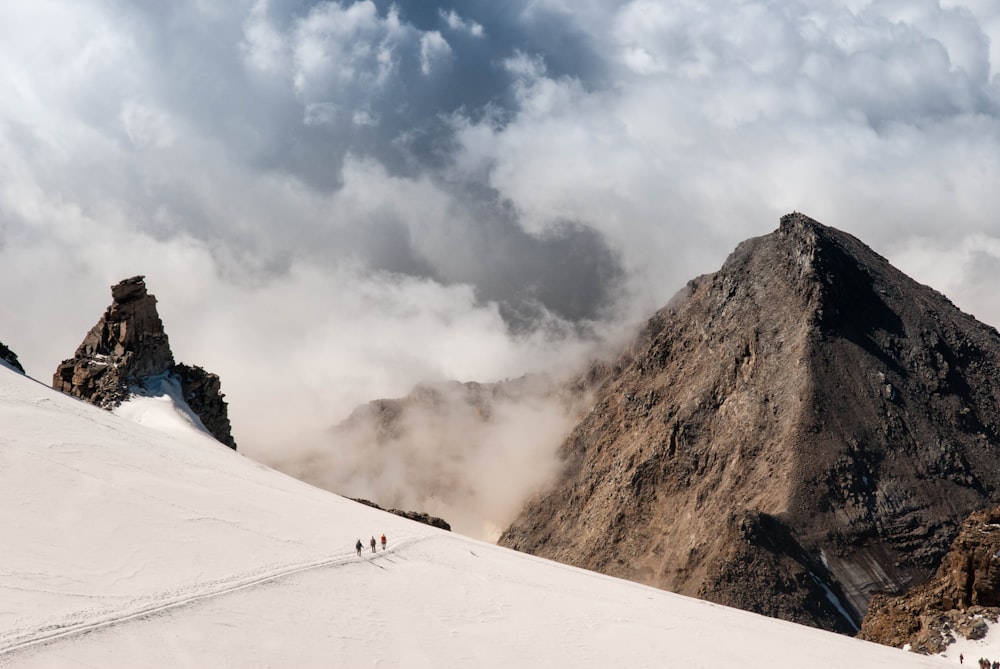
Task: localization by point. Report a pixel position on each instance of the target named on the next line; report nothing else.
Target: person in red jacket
(383, 541)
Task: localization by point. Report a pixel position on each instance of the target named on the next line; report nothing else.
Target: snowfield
(136, 540)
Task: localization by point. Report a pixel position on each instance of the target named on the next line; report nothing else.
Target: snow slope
(127, 546)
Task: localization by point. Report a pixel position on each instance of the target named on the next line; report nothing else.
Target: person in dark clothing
(373, 544)
(358, 547)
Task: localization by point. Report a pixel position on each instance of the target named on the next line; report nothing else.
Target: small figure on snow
(383, 541)
(373, 544)
(357, 546)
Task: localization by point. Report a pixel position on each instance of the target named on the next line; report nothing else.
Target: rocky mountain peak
(126, 349)
(790, 434)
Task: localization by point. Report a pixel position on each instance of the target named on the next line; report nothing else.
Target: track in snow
(163, 602)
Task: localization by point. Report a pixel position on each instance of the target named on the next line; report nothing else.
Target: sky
(139, 541)
(334, 201)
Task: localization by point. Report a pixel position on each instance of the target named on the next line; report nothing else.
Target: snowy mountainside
(159, 404)
(132, 546)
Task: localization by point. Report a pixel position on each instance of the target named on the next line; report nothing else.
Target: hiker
(358, 547)
(373, 544)
(383, 541)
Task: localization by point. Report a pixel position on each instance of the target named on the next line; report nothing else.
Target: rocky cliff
(128, 348)
(791, 434)
(9, 357)
(960, 599)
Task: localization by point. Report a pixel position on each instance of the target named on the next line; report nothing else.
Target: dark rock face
(129, 346)
(203, 393)
(418, 516)
(964, 591)
(791, 434)
(9, 357)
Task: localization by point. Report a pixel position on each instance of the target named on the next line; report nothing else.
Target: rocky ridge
(961, 598)
(418, 516)
(9, 357)
(789, 435)
(127, 350)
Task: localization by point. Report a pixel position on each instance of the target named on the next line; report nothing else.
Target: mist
(337, 201)
(468, 453)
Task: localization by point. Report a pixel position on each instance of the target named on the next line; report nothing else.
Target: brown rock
(128, 343)
(801, 429)
(961, 597)
(126, 349)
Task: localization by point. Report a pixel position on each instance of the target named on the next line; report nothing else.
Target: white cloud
(147, 127)
(264, 47)
(452, 19)
(320, 113)
(332, 203)
(337, 47)
(967, 270)
(433, 48)
(363, 117)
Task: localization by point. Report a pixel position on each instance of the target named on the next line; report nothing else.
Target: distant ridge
(125, 353)
(791, 434)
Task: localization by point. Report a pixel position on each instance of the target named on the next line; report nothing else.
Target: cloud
(456, 22)
(146, 127)
(469, 454)
(334, 201)
(433, 49)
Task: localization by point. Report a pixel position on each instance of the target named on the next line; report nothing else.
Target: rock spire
(126, 349)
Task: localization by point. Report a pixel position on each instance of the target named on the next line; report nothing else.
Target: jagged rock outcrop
(8, 356)
(126, 349)
(418, 516)
(202, 392)
(789, 435)
(960, 599)
(128, 344)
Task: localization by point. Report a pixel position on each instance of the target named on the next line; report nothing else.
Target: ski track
(163, 601)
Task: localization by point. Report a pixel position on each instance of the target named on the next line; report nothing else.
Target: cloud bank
(334, 201)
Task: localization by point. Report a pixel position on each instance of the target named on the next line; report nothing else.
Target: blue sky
(335, 200)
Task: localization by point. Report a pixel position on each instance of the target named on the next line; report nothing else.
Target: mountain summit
(127, 353)
(789, 435)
